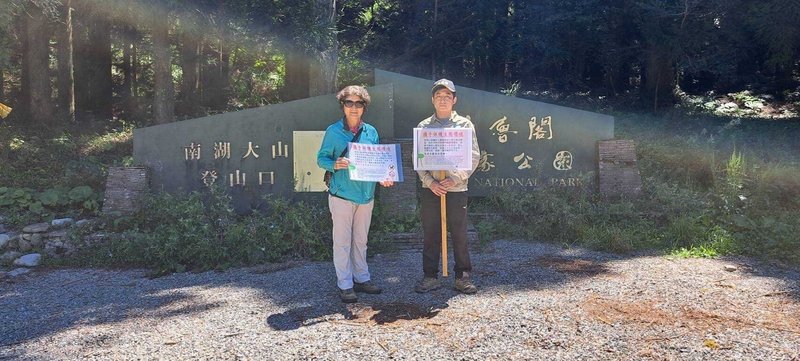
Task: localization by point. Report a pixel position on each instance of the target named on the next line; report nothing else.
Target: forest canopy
(156, 61)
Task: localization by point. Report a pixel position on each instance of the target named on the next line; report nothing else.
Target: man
(454, 188)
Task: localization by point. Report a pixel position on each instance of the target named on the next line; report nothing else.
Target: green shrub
(773, 236)
(305, 227)
(684, 232)
(24, 205)
(678, 162)
(385, 224)
(613, 238)
(200, 231)
(778, 186)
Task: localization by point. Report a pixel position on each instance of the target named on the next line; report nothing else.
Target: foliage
(696, 202)
(57, 171)
(386, 223)
(200, 231)
(25, 205)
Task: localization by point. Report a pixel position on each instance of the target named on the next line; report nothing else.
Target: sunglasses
(357, 104)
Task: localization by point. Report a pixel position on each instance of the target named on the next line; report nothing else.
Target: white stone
(4, 240)
(18, 271)
(82, 223)
(37, 228)
(730, 268)
(29, 260)
(62, 222)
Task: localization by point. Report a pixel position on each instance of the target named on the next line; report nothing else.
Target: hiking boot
(348, 296)
(427, 284)
(464, 285)
(366, 287)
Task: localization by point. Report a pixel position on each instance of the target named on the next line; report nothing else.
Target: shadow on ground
(299, 294)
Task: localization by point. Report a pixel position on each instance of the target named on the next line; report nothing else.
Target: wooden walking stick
(443, 207)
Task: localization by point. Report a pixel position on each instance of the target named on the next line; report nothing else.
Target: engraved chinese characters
(221, 151)
(539, 130)
(526, 156)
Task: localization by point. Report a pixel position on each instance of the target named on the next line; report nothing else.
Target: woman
(350, 202)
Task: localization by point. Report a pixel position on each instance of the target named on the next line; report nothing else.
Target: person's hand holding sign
(341, 163)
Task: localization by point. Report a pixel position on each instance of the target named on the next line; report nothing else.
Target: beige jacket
(460, 177)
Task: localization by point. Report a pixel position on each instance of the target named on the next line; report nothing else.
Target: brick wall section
(618, 170)
(125, 189)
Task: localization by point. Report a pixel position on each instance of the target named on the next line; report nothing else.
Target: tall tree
(92, 40)
(297, 75)
(37, 63)
(6, 27)
(322, 72)
(777, 27)
(66, 79)
(129, 37)
(190, 46)
(163, 87)
(306, 32)
(216, 49)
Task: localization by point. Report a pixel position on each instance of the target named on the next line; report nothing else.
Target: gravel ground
(536, 301)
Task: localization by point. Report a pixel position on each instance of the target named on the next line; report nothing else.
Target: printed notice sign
(442, 148)
(375, 162)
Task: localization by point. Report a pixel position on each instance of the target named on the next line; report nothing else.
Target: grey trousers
(350, 230)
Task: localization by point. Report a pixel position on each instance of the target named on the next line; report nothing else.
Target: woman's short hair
(356, 90)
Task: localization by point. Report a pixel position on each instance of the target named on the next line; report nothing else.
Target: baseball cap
(443, 83)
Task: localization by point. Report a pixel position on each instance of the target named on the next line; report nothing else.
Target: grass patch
(711, 187)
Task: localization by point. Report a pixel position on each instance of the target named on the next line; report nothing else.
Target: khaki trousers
(350, 230)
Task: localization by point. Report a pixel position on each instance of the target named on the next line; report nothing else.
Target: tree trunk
(36, 57)
(24, 97)
(126, 93)
(297, 74)
(214, 77)
(658, 77)
(81, 66)
(224, 68)
(102, 85)
(163, 102)
(190, 64)
(322, 74)
(135, 66)
(66, 79)
(414, 36)
(92, 67)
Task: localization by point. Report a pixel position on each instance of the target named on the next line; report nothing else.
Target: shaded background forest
(156, 61)
(708, 90)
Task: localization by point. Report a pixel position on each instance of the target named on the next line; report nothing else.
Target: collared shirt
(335, 141)
(460, 177)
